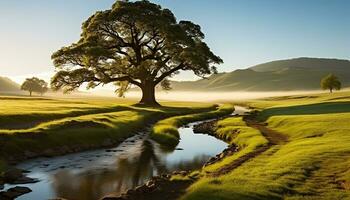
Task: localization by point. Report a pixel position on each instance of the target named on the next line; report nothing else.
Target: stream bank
(94, 174)
(167, 186)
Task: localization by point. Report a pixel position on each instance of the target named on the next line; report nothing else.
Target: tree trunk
(331, 90)
(30, 93)
(148, 95)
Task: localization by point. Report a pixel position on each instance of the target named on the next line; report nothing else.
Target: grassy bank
(235, 131)
(165, 131)
(314, 164)
(64, 126)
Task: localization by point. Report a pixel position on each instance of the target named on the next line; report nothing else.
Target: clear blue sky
(242, 32)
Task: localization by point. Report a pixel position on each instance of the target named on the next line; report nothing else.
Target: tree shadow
(310, 109)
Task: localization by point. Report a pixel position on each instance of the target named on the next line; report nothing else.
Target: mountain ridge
(7, 85)
(281, 75)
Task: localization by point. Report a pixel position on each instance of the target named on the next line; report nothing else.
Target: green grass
(314, 164)
(165, 131)
(62, 124)
(235, 131)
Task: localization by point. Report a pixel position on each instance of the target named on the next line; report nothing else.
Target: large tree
(137, 43)
(330, 82)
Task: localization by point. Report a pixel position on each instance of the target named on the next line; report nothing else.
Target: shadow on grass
(310, 109)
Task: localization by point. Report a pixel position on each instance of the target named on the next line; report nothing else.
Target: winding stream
(93, 174)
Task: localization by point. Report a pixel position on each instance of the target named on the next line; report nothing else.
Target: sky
(242, 32)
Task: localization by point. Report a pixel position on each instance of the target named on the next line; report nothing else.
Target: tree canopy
(138, 43)
(35, 85)
(330, 82)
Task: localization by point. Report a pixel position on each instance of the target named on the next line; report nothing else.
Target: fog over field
(224, 96)
(207, 96)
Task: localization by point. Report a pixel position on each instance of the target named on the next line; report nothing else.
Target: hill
(7, 85)
(281, 75)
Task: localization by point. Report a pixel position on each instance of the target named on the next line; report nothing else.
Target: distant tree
(34, 85)
(330, 82)
(135, 42)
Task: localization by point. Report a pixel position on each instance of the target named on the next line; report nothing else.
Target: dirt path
(238, 162)
(274, 138)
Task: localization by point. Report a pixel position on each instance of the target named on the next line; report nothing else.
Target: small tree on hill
(135, 42)
(330, 82)
(34, 85)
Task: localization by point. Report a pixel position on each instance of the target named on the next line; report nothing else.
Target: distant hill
(7, 85)
(281, 75)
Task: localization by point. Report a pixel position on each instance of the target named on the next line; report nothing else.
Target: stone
(142, 189)
(14, 192)
(24, 180)
(150, 184)
(222, 156)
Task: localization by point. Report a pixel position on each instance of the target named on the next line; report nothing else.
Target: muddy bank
(158, 188)
(209, 127)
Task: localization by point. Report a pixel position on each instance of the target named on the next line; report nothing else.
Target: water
(240, 110)
(94, 174)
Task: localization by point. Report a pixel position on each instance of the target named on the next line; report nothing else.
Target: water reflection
(92, 175)
(128, 172)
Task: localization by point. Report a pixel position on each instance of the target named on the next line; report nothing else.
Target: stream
(92, 175)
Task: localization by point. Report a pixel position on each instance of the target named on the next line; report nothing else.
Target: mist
(208, 96)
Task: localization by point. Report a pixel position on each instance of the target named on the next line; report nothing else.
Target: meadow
(296, 147)
(313, 162)
(32, 127)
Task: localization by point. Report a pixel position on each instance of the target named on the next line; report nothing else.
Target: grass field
(42, 126)
(313, 164)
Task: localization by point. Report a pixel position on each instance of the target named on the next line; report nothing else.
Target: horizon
(234, 33)
(262, 110)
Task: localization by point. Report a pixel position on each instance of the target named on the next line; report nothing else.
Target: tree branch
(168, 73)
